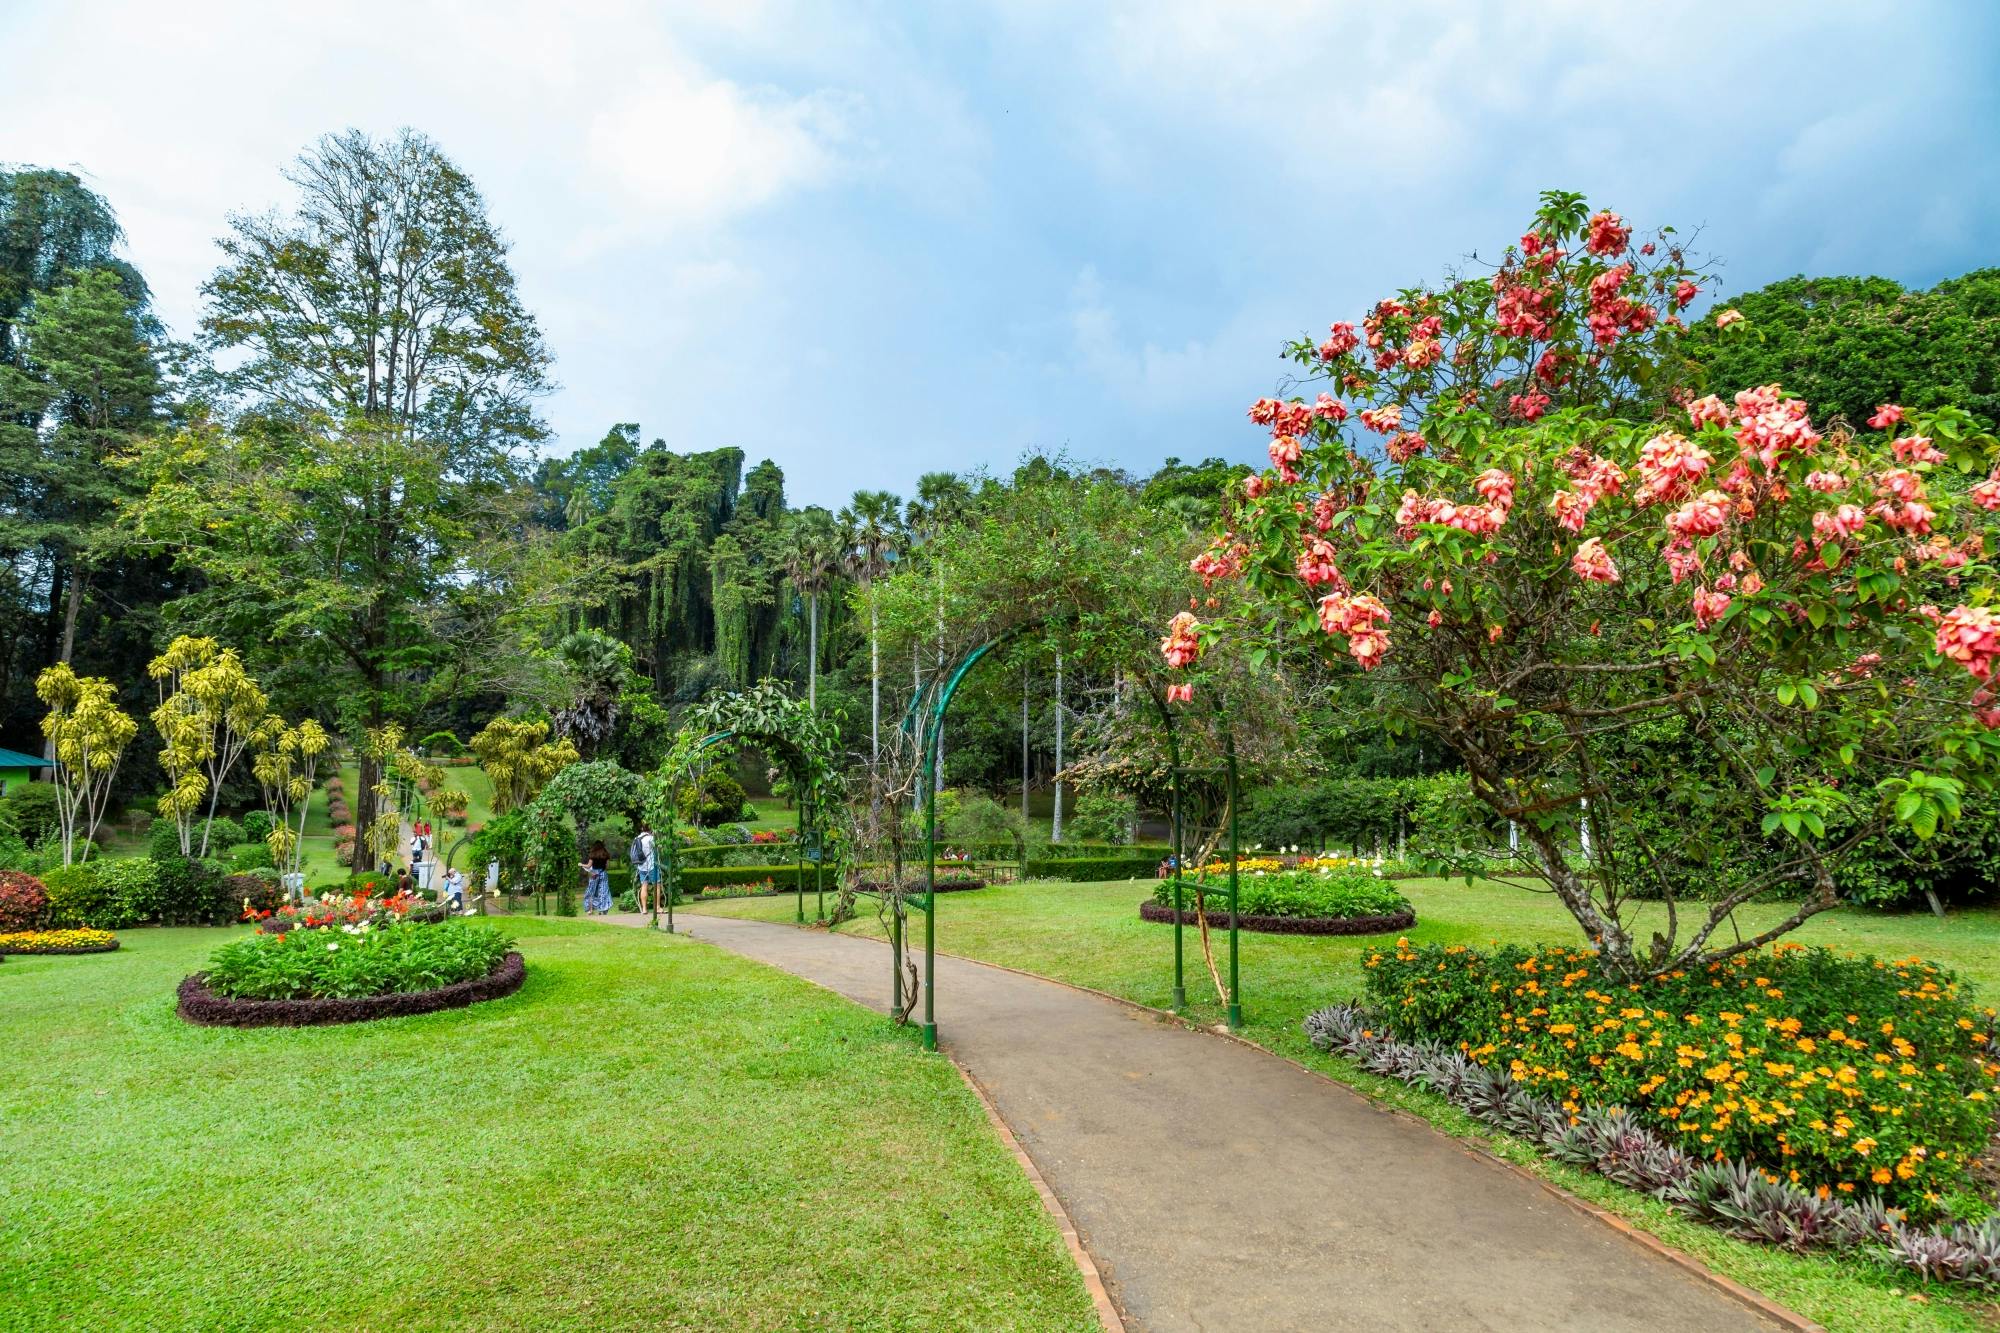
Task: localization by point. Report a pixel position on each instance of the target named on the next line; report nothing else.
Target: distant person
(597, 885)
(646, 865)
(403, 883)
(454, 889)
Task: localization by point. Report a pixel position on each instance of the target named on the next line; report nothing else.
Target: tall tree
(871, 536)
(383, 370)
(810, 557)
(943, 501)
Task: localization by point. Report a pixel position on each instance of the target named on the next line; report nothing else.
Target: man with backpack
(644, 854)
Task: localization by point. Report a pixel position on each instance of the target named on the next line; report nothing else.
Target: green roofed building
(17, 769)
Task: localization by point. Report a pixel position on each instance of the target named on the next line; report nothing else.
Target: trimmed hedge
(1084, 869)
(1286, 925)
(695, 879)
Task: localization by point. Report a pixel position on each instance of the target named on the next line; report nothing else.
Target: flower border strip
(1288, 925)
(1732, 1196)
(199, 1005)
(60, 953)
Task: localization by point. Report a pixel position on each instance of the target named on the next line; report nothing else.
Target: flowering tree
(89, 732)
(1601, 591)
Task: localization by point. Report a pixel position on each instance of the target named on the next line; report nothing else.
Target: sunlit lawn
(651, 1133)
(1091, 935)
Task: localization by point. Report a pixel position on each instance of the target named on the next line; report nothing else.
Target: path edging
(1108, 1314)
(1736, 1291)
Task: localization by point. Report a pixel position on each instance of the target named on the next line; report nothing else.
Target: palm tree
(810, 556)
(870, 535)
(943, 501)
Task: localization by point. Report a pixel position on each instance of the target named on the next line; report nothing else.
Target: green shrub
(223, 833)
(247, 856)
(1085, 869)
(31, 809)
(134, 885)
(79, 896)
(1837, 1073)
(1298, 893)
(163, 839)
(189, 892)
(693, 878)
(257, 826)
(717, 798)
(1102, 816)
(381, 960)
(261, 893)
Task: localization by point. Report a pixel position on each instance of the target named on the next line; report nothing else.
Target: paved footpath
(1221, 1188)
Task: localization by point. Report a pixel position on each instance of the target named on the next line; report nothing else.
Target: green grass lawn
(650, 1133)
(1091, 935)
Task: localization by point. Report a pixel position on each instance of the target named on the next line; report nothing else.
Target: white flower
(334, 947)
(1378, 874)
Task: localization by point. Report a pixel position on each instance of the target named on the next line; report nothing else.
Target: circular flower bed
(1291, 903)
(348, 974)
(58, 941)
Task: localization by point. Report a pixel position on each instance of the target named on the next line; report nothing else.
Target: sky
(871, 240)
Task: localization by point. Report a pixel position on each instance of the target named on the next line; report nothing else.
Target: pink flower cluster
(1180, 694)
(1316, 567)
(1528, 406)
(1223, 560)
(1887, 415)
(1709, 607)
(1900, 502)
(1494, 485)
(1703, 516)
(1608, 234)
(1917, 449)
(1383, 420)
(1612, 313)
(1772, 427)
(1970, 636)
(1181, 646)
(1669, 465)
(1361, 619)
(1595, 478)
(1593, 563)
(1404, 445)
(1340, 341)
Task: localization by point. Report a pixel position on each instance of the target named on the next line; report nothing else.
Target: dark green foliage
(80, 895)
(256, 825)
(188, 891)
(247, 856)
(163, 839)
(386, 960)
(31, 809)
(1846, 345)
(1366, 813)
(715, 798)
(238, 894)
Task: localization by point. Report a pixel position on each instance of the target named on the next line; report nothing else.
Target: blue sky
(871, 240)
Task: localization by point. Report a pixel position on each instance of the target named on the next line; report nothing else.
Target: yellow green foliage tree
(210, 712)
(286, 767)
(520, 758)
(89, 732)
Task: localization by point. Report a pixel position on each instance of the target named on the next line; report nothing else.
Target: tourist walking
(646, 865)
(597, 884)
(454, 888)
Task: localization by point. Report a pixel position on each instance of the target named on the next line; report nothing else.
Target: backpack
(637, 851)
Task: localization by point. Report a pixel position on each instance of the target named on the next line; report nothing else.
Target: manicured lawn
(1090, 935)
(650, 1133)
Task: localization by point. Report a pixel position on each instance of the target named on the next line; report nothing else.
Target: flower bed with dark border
(916, 890)
(10, 944)
(198, 1004)
(1287, 925)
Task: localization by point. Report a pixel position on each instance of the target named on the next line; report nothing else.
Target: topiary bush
(247, 856)
(133, 884)
(31, 809)
(23, 899)
(718, 798)
(256, 826)
(163, 839)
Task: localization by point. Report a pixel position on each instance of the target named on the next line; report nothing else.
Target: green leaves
(1924, 802)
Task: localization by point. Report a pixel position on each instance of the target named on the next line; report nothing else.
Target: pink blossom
(1709, 411)
(1728, 317)
(1570, 509)
(1340, 341)
(1496, 486)
(1383, 420)
(1913, 517)
(1434, 620)
(1970, 636)
(1839, 523)
(1900, 483)
(1224, 560)
(1264, 411)
(1181, 646)
(1773, 427)
(1683, 561)
(1987, 493)
(1329, 408)
(1528, 406)
(1422, 352)
(1180, 694)
(1593, 563)
(1315, 564)
(1285, 453)
(1254, 486)
(1323, 512)
(1685, 292)
(1608, 234)
(1917, 449)
(1360, 619)
(1886, 415)
(1709, 607)
(1668, 465)
(1404, 445)
(1702, 516)
(1826, 483)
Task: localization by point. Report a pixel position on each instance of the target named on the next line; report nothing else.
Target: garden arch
(789, 730)
(585, 793)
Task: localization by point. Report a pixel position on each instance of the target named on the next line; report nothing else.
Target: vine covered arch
(581, 794)
(805, 744)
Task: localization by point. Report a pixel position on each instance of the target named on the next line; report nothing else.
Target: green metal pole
(1235, 995)
(799, 864)
(930, 880)
(670, 884)
(1180, 978)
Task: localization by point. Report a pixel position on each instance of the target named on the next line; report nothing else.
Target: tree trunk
(874, 683)
(812, 653)
(73, 607)
(1055, 825)
(1024, 745)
